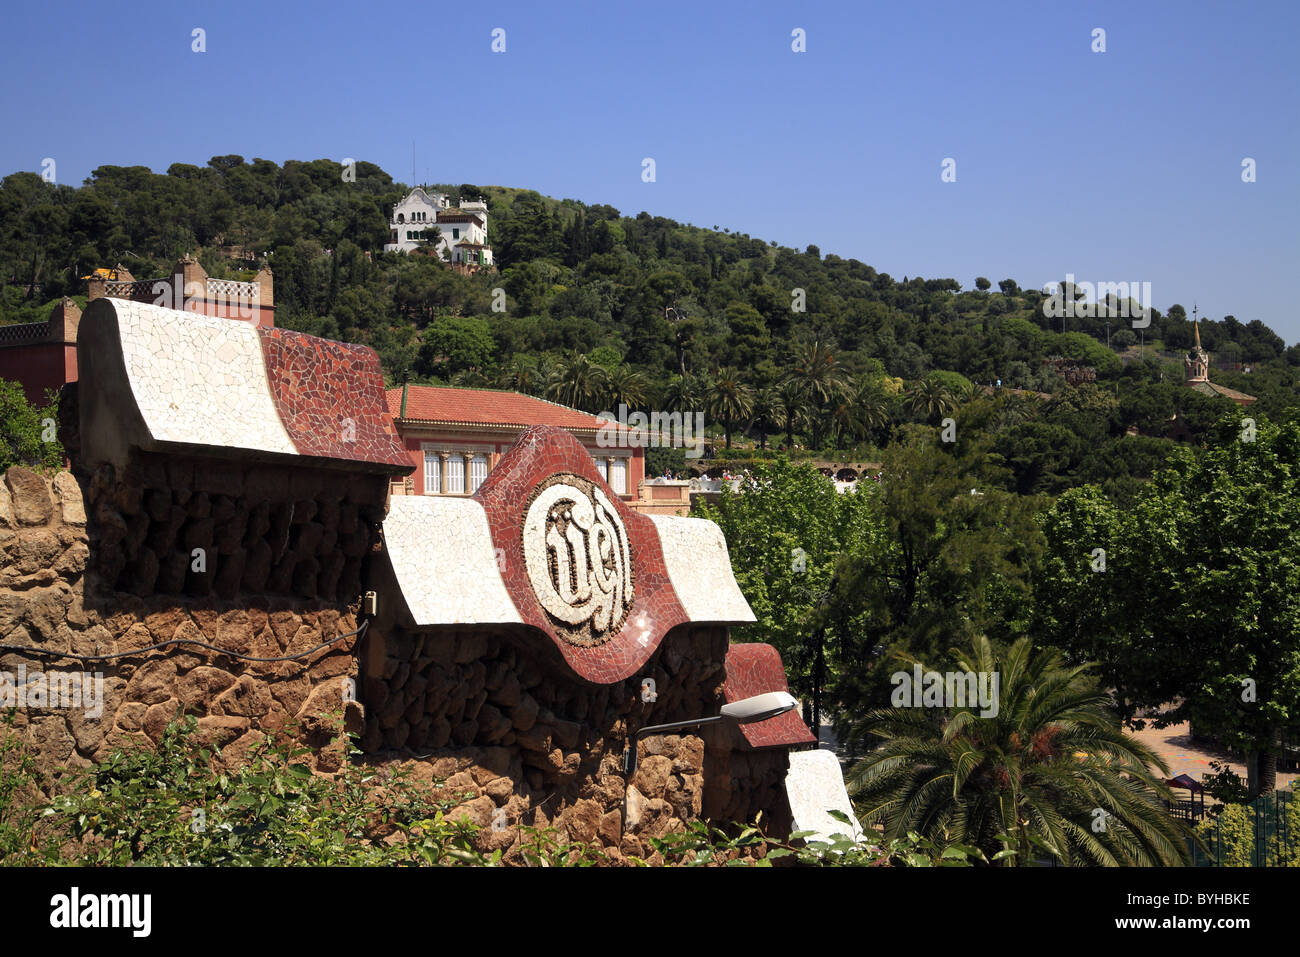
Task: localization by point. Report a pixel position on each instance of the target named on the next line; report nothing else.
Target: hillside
(772, 342)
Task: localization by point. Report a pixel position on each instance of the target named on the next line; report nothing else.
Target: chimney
(265, 287)
(188, 268)
(63, 321)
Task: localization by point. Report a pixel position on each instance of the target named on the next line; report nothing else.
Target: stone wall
(497, 713)
(99, 565)
(103, 565)
(262, 529)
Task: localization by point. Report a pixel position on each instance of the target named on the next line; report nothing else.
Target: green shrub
(24, 430)
(20, 784)
(176, 806)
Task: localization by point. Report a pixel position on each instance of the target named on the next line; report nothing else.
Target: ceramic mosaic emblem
(580, 565)
(578, 559)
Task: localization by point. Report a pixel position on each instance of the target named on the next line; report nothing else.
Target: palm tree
(765, 414)
(874, 408)
(622, 385)
(844, 419)
(577, 382)
(930, 398)
(470, 379)
(523, 375)
(1052, 771)
(685, 393)
(730, 399)
(859, 410)
(815, 369)
(793, 408)
(1013, 410)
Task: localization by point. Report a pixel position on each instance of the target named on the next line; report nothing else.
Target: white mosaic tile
(814, 785)
(695, 555)
(442, 556)
(199, 379)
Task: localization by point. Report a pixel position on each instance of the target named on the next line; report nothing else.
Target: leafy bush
(704, 845)
(19, 791)
(24, 430)
(1233, 831)
(176, 806)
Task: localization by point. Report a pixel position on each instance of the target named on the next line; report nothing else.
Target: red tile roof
(426, 403)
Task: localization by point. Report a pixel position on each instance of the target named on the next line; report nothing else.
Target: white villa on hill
(462, 230)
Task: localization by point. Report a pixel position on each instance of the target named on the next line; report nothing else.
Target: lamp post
(746, 711)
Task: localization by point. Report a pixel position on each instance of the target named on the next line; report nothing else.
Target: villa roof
(451, 406)
(1206, 387)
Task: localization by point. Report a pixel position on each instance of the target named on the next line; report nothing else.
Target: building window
(478, 469)
(618, 476)
(455, 233)
(400, 219)
(432, 473)
(456, 475)
(603, 468)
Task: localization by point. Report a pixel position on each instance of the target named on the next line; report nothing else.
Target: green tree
(793, 408)
(941, 565)
(931, 398)
(785, 533)
(1051, 772)
(1199, 604)
(815, 369)
(578, 382)
(624, 386)
(455, 344)
(730, 400)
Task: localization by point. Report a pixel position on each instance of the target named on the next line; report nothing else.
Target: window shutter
(478, 472)
(456, 474)
(432, 473)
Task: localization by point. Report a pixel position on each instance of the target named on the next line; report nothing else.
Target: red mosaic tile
(330, 397)
(541, 452)
(754, 669)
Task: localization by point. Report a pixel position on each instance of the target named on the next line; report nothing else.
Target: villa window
(456, 475)
(478, 469)
(432, 473)
(618, 476)
(399, 218)
(603, 468)
(455, 233)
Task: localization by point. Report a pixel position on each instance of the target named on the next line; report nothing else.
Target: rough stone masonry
(231, 489)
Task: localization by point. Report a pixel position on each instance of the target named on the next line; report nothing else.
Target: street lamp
(746, 711)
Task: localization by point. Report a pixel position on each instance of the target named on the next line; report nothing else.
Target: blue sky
(1115, 166)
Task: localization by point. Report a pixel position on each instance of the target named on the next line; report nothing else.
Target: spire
(1196, 364)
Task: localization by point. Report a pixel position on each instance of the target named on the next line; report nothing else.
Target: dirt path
(1184, 756)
